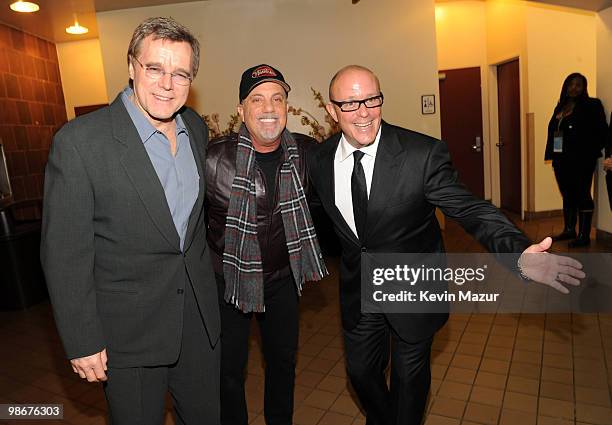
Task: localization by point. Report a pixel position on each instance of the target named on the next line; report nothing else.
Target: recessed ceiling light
(77, 29)
(24, 6)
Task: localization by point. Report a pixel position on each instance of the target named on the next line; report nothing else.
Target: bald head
(349, 71)
(355, 103)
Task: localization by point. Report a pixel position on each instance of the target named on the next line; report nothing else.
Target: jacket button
(180, 291)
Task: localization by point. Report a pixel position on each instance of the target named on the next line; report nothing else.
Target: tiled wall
(31, 107)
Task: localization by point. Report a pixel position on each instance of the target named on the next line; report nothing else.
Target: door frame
(484, 117)
(494, 135)
(487, 145)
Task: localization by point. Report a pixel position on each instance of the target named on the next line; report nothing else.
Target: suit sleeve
(324, 227)
(479, 218)
(67, 248)
(314, 203)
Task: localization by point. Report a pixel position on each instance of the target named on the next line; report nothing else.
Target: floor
(487, 369)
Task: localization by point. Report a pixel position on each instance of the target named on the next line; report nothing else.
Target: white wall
(308, 40)
(461, 34)
(82, 73)
(604, 91)
(505, 30)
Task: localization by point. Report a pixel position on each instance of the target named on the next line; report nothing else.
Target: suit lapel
(197, 145)
(328, 199)
(386, 167)
(138, 167)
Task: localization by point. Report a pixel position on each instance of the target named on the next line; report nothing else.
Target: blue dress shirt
(178, 174)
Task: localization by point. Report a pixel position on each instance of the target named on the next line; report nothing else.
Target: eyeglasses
(353, 105)
(155, 73)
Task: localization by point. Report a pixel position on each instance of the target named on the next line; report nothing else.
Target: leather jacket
(220, 172)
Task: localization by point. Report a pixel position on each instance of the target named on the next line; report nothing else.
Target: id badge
(558, 142)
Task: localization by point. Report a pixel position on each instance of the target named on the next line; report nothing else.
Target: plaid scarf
(242, 265)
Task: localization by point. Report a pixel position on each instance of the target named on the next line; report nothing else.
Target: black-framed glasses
(155, 73)
(353, 105)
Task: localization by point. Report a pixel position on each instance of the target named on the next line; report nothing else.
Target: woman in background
(576, 136)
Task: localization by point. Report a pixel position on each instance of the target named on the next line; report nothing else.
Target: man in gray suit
(124, 241)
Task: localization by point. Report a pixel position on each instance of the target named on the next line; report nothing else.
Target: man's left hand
(550, 269)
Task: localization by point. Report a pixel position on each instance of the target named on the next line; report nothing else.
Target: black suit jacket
(412, 176)
(584, 133)
(110, 251)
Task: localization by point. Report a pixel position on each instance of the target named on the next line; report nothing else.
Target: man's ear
(240, 111)
(331, 111)
(131, 70)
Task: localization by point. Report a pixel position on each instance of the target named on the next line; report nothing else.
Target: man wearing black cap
(263, 242)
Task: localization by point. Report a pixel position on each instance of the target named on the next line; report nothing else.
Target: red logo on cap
(263, 71)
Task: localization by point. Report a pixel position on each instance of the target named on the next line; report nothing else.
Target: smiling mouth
(363, 125)
(267, 120)
(162, 98)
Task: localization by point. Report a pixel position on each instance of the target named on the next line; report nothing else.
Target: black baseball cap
(257, 75)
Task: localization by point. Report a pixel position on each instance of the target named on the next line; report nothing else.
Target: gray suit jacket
(109, 249)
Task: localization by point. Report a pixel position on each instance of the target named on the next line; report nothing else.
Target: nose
(268, 105)
(165, 81)
(362, 111)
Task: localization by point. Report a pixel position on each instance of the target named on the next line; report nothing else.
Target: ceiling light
(77, 29)
(24, 6)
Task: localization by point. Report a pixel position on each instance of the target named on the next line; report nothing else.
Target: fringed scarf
(242, 264)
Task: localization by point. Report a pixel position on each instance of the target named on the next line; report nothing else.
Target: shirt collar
(143, 126)
(346, 149)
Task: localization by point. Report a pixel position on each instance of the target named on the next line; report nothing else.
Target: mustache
(267, 116)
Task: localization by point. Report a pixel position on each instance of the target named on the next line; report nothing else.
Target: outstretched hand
(549, 269)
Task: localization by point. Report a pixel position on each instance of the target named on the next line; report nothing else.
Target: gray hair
(165, 29)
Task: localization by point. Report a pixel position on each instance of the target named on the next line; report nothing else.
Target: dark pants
(574, 180)
(367, 348)
(279, 336)
(136, 396)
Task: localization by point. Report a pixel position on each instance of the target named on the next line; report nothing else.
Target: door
(461, 121)
(509, 109)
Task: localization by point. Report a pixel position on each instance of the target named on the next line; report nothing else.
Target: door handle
(500, 144)
(477, 146)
